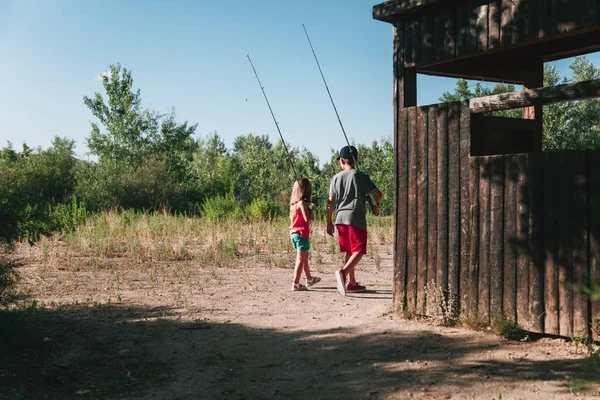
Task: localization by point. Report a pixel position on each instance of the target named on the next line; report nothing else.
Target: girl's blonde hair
(302, 190)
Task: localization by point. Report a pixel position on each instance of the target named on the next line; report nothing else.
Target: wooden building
(502, 228)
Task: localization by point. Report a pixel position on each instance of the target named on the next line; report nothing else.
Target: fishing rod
(273, 115)
(330, 97)
(369, 200)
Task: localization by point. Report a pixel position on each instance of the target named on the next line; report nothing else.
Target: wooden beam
(393, 10)
(573, 91)
(471, 69)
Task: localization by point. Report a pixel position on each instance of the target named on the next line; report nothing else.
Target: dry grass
(114, 239)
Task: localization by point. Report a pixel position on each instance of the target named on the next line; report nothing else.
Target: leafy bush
(220, 208)
(261, 209)
(8, 274)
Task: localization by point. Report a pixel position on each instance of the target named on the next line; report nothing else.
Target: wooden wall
(510, 235)
(458, 28)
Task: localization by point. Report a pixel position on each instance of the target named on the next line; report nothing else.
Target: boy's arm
(330, 203)
(378, 196)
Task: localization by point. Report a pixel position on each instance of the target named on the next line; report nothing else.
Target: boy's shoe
(356, 288)
(341, 281)
(313, 281)
(298, 287)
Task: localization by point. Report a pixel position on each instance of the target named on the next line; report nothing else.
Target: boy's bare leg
(352, 260)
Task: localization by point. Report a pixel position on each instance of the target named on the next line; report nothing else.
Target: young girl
(300, 218)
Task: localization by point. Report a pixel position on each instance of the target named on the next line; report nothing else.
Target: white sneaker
(341, 282)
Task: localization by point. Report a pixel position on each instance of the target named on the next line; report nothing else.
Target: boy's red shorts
(352, 239)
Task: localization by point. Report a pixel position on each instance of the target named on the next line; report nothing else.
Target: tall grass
(142, 238)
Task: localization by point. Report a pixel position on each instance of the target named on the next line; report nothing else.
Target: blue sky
(191, 55)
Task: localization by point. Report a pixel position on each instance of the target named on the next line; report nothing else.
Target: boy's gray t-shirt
(350, 189)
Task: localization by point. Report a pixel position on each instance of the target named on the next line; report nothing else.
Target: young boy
(348, 193)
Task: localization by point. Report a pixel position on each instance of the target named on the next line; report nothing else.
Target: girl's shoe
(313, 281)
(298, 287)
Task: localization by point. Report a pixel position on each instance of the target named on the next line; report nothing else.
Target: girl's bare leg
(305, 265)
(299, 266)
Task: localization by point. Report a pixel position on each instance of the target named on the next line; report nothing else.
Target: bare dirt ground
(185, 331)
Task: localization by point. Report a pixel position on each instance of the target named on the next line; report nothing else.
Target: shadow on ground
(114, 351)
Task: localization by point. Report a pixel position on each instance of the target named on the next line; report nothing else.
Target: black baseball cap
(348, 152)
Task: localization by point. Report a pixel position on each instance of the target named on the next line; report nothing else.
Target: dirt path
(240, 333)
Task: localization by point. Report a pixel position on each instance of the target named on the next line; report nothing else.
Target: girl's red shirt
(298, 224)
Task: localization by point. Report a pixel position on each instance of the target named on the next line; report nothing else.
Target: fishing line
(369, 200)
(273, 115)
(330, 97)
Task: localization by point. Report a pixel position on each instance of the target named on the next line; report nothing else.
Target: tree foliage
(567, 125)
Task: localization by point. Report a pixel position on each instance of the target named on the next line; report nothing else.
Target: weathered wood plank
(422, 237)
(409, 44)
(461, 29)
(551, 241)
(473, 274)
(529, 14)
(482, 28)
(589, 13)
(428, 38)
(484, 238)
(523, 201)
(580, 207)
(400, 165)
(507, 22)
(535, 168)
(594, 226)
(401, 175)
(410, 87)
(392, 11)
(465, 205)
(471, 33)
(411, 295)
(496, 236)
(564, 193)
(511, 187)
(439, 36)
(442, 197)
(432, 198)
(454, 201)
(519, 11)
(544, 19)
(554, 16)
(418, 41)
(569, 16)
(548, 95)
(494, 16)
(450, 34)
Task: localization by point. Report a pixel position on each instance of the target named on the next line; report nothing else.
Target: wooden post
(535, 112)
(405, 78)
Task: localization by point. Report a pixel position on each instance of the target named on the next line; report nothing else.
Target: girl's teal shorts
(299, 242)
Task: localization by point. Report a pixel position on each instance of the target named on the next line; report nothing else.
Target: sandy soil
(184, 331)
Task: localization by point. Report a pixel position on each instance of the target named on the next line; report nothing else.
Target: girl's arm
(306, 212)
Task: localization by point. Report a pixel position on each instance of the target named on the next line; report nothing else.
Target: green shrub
(8, 274)
(220, 208)
(261, 209)
(65, 217)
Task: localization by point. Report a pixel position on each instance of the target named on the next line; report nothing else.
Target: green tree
(263, 171)
(130, 130)
(144, 157)
(567, 125)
